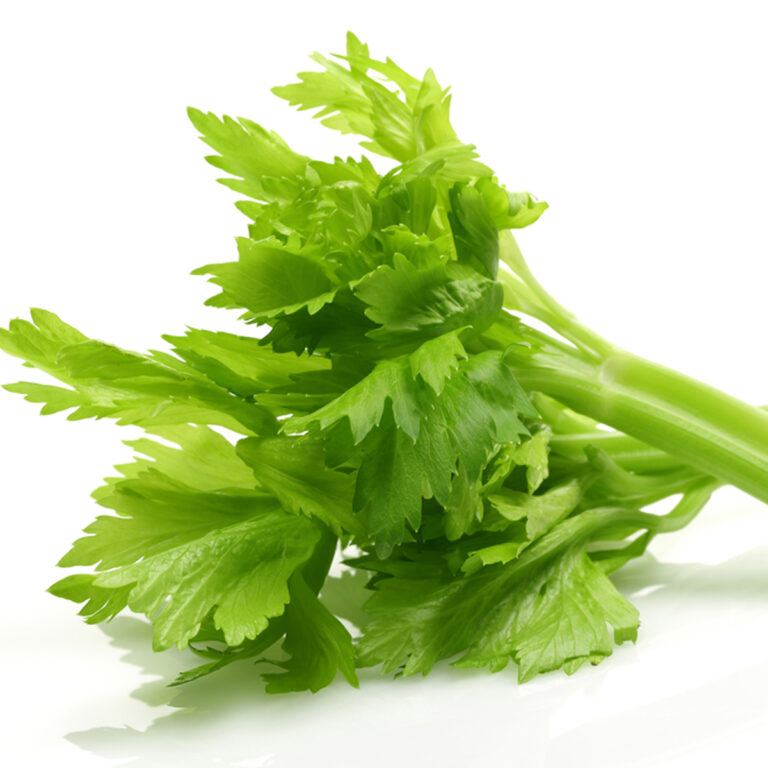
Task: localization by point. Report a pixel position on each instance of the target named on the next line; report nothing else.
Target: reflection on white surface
(692, 688)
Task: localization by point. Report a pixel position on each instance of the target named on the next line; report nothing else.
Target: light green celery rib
(699, 425)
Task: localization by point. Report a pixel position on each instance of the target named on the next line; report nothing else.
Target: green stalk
(703, 427)
(699, 425)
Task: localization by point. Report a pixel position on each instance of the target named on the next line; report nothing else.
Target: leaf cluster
(377, 414)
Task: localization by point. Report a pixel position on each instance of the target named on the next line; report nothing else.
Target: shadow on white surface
(695, 682)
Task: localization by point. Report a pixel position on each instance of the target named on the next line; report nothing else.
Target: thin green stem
(597, 524)
(628, 452)
(524, 292)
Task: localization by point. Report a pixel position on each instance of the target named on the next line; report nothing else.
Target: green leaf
(294, 470)
(436, 456)
(271, 279)
(54, 399)
(541, 511)
(416, 302)
(509, 210)
(101, 380)
(474, 232)
(479, 407)
(203, 460)
(350, 101)
(435, 361)
(543, 615)
(465, 506)
(363, 404)
(533, 454)
(514, 541)
(564, 626)
(239, 571)
(223, 657)
(337, 328)
(247, 152)
(389, 485)
(449, 162)
(101, 603)
(483, 406)
(318, 644)
(155, 514)
(39, 342)
(242, 364)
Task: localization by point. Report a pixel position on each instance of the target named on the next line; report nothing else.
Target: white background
(643, 124)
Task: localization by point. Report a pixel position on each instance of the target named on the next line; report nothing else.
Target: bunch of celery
(397, 406)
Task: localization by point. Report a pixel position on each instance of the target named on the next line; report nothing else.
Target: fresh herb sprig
(398, 408)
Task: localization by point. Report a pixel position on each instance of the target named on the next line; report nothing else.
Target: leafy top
(378, 409)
